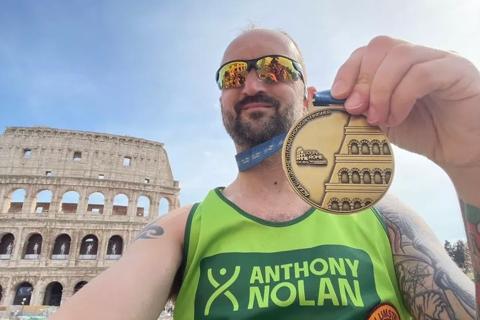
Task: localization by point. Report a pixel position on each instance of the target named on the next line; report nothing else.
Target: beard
(260, 126)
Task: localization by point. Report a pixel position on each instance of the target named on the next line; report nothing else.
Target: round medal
(337, 162)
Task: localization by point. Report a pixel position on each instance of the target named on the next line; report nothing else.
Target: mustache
(259, 97)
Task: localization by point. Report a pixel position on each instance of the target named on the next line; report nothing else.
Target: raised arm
(432, 285)
(138, 285)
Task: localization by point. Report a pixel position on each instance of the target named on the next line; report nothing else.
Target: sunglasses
(271, 69)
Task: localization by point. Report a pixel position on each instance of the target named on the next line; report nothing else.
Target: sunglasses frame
(252, 63)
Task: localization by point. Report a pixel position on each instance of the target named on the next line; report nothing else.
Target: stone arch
(61, 247)
(7, 241)
(388, 175)
(23, 294)
(17, 199)
(385, 148)
(377, 176)
(367, 202)
(366, 176)
(96, 203)
(33, 246)
(70, 201)
(353, 147)
(375, 147)
(53, 294)
(345, 204)
(143, 206)
(163, 206)
(357, 203)
(355, 173)
(115, 247)
(79, 286)
(120, 205)
(365, 147)
(334, 204)
(344, 176)
(89, 247)
(43, 200)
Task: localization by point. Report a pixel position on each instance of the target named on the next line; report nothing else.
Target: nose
(253, 84)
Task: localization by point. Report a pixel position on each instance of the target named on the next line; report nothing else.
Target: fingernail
(372, 116)
(354, 102)
(339, 87)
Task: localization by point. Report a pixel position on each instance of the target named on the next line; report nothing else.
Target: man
(255, 250)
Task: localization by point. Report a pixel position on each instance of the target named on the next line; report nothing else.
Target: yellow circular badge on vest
(384, 311)
(337, 162)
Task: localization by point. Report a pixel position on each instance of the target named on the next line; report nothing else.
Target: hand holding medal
(335, 161)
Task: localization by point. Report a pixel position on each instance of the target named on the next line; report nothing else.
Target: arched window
(365, 147)
(6, 246)
(143, 206)
(367, 178)
(120, 205)
(43, 200)
(89, 247)
(334, 206)
(17, 198)
(344, 178)
(385, 148)
(61, 247)
(33, 247)
(388, 176)
(163, 207)
(79, 286)
(357, 204)
(53, 294)
(70, 202)
(375, 147)
(23, 294)
(354, 147)
(355, 176)
(346, 205)
(114, 247)
(377, 177)
(96, 202)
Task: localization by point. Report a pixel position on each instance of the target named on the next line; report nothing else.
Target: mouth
(256, 105)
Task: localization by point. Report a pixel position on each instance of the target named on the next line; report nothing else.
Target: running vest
(317, 266)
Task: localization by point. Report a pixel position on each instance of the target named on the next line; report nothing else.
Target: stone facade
(70, 203)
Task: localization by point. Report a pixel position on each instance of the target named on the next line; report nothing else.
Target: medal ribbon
(253, 156)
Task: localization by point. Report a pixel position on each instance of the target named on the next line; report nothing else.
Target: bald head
(261, 42)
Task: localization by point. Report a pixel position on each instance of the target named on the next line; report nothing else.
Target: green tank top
(317, 266)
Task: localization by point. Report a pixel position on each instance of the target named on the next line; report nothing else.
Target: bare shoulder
(433, 287)
(172, 225)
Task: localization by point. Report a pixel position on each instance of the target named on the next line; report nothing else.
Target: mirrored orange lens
(274, 69)
(232, 75)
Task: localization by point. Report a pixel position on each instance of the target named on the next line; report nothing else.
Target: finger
(390, 73)
(347, 75)
(375, 52)
(444, 77)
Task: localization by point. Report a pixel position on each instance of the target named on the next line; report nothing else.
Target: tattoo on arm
(152, 231)
(471, 218)
(432, 286)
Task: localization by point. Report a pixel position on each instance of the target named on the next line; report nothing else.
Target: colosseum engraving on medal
(70, 203)
(353, 170)
(309, 157)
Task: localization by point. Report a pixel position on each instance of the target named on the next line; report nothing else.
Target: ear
(309, 97)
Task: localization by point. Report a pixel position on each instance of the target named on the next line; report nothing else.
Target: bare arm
(138, 285)
(433, 287)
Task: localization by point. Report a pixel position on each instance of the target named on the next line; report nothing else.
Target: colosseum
(70, 203)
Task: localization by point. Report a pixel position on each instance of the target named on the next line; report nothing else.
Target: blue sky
(146, 69)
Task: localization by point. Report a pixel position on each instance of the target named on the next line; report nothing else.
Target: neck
(264, 191)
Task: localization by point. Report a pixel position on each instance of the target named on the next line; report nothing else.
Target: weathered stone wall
(39, 169)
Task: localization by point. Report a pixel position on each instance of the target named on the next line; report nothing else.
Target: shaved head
(263, 42)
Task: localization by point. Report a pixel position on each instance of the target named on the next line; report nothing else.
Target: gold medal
(337, 162)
